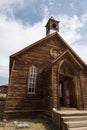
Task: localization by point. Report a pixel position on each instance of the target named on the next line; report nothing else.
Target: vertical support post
(58, 92)
(76, 92)
(81, 90)
(55, 86)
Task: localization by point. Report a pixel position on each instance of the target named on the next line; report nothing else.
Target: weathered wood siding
(47, 89)
(83, 78)
(17, 97)
(78, 91)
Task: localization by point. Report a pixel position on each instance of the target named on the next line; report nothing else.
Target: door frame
(68, 98)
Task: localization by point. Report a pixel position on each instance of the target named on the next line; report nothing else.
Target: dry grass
(34, 124)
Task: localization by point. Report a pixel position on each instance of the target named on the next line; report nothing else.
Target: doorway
(67, 91)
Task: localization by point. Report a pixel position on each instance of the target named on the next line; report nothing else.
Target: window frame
(33, 78)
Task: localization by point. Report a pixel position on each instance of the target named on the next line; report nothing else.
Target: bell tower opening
(52, 26)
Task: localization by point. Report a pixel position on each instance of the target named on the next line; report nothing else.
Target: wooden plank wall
(47, 89)
(83, 77)
(78, 89)
(17, 98)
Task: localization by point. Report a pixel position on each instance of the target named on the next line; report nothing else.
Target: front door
(67, 92)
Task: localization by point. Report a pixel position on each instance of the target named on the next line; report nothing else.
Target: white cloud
(81, 51)
(9, 2)
(73, 6)
(4, 70)
(46, 11)
(7, 8)
(14, 36)
(69, 28)
(84, 18)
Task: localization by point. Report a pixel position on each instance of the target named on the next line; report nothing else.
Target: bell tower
(52, 26)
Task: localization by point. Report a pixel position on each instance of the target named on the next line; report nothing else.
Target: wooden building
(3, 89)
(45, 75)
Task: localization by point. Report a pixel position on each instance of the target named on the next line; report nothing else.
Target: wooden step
(75, 114)
(76, 124)
(74, 118)
(72, 113)
(81, 128)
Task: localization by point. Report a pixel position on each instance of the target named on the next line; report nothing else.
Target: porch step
(74, 122)
(67, 108)
(82, 128)
(73, 119)
(77, 124)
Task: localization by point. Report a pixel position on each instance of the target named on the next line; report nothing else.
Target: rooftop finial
(52, 17)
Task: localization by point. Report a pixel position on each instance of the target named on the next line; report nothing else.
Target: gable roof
(65, 53)
(51, 36)
(34, 44)
(60, 57)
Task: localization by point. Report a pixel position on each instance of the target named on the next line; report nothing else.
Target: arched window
(32, 79)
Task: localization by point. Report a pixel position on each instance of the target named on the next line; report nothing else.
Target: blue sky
(22, 22)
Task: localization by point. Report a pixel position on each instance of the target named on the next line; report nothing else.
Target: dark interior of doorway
(67, 91)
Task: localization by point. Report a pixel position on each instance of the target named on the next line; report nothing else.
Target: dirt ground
(33, 124)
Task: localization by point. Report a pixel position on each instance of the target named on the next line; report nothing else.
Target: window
(32, 79)
(54, 25)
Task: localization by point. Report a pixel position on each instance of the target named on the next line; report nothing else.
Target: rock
(16, 122)
(5, 121)
(23, 125)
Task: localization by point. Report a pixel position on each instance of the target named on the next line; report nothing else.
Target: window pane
(29, 89)
(32, 79)
(32, 89)
(30, 85)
